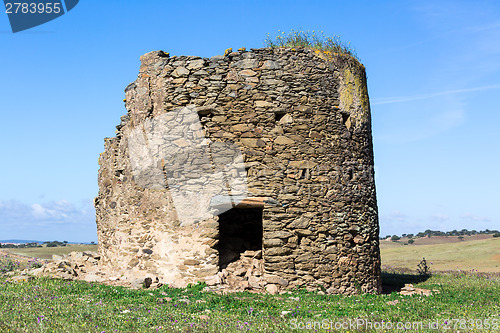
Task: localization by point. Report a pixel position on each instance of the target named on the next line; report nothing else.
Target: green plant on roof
(310, 39)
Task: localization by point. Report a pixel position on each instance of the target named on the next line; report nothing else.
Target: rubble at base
(409, 290)
(246, 273)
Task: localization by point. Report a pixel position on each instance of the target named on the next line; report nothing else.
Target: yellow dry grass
(47, 252)
(481, 255)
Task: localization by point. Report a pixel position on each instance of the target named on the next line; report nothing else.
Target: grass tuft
(310, 40)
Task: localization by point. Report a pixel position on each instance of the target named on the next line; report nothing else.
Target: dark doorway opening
(240, 230)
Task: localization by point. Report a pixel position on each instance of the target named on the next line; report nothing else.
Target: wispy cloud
(418, 123)
(401, 99)
(396, 216)
(472, 217)
(59, 210)
(445, 120)
(484, 27)
(440, 217)
(48, 220)
(397, 223)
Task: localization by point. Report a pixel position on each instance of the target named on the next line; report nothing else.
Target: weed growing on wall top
(310, 39)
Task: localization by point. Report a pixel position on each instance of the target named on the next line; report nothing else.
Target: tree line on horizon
(34, 244)
(430, 233)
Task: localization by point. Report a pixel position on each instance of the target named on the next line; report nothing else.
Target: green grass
(47, 252)
(45, 305)
(310, 39)
(480, 255)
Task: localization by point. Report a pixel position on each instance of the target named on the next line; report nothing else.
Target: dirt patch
(496, 257)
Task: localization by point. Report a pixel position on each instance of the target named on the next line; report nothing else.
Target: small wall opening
(346, 120)
(278, 115)
(204, 115)
(345, 117)
(240, 230)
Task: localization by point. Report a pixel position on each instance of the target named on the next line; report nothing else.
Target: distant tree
(65, 242)
(461, 238)
(54, 244)
(411, 241)
(496, 234)
(395, 238)
(403, 235)
(93, 243)
(409, 235)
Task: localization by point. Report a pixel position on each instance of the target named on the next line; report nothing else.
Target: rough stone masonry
(297, 125)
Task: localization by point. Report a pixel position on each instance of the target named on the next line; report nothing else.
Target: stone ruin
(252, 170)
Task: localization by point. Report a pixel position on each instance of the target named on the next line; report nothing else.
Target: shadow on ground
(395, 281)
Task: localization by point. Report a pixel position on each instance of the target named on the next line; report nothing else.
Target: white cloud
(471, 217)
(398, 216)
(54, 210)
(440, 217)
(38, 211)
(396, 223)
(12, 210)
(14, 213)
(47, 221)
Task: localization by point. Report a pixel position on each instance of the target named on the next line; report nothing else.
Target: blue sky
(433, 78)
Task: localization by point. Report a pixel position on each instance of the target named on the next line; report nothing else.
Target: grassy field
(47, 252)
(482, 255)
(464, 302)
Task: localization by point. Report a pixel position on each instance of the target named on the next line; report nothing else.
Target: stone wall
(301, 120)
